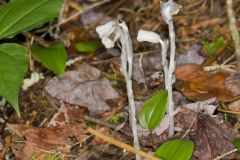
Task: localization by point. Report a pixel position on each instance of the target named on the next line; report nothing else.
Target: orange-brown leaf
(203, 85)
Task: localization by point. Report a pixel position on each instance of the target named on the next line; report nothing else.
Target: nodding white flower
(117, 31)
(109, 33)
(148, 36)
(168, 9)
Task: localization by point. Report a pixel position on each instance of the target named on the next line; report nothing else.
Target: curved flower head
(109, 33)
(148, 36)
(168, 9)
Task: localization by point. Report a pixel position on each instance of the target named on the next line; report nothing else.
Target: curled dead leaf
(203, 85)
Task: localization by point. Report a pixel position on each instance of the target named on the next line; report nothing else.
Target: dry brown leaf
(211, 136)
(83, 87)
(203, 85)
(67, 114)
(52, 138)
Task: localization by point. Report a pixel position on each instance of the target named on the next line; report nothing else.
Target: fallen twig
(78, 14)
(8, 140)
(226, 154)
(40, 40)
(121, 144)
(234, 31)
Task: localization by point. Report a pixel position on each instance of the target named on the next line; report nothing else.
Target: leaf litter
(196, 115)
(83, 87)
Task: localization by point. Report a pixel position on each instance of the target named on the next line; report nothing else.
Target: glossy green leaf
(24, 15)
(54, 57)
(88, 46)
(13, 66)
(179, 149)
(153, 110)
(236, 142)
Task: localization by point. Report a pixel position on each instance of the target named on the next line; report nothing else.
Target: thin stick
(60, 17)
(99, 121)
(228, 111)
(79, 13)
(40, 40)
(8, 140)
(234, 31)
(189, 129)
(226, 154)
(121, 144)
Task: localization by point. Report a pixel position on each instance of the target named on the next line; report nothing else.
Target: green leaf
(88, 46)
(236, 142)
(24, 15)
(13, 66)
(53, 57)
(153, 110)
(179, 149)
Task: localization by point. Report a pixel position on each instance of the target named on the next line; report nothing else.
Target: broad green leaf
(13, 66)
(236, 142)
(24, 15)
(179, 149)
(88, 46)
(153, 110)
(54, 57)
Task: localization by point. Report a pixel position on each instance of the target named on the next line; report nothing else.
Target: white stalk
(111, 33)
(171, 78)
(167, 10)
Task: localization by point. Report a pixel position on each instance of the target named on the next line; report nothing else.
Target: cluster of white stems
(116, 31)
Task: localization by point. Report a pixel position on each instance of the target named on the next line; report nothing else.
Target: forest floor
(56, 111)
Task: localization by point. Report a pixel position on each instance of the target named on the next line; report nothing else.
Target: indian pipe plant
(24, 15)
(154, 109)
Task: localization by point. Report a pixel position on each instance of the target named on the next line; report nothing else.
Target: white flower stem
(132, 116)
(132, 111)
(171, 78)
(126, 69)
(110, 33)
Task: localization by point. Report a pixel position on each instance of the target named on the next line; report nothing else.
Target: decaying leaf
(211, 136)
(233, 83)
(205, 107)
(83, 87)
(203, 85)
(68, 115)
(191, 57)
(52, 138)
